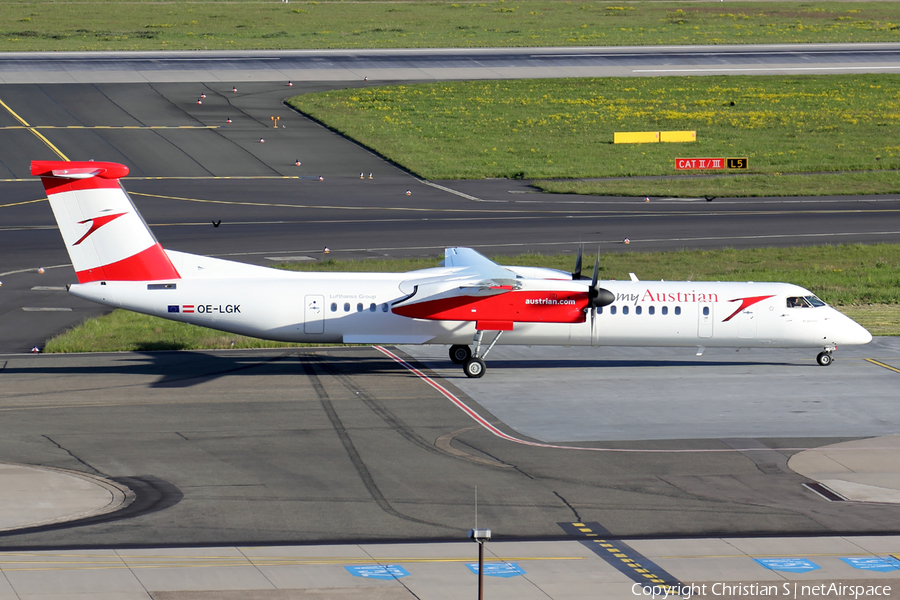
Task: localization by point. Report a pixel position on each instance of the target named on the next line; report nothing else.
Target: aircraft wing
(469, 275)
(478, 289)
(479, 267)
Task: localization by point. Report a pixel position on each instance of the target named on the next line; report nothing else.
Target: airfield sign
(710, 164)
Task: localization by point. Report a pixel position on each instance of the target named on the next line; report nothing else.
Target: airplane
(469, 302)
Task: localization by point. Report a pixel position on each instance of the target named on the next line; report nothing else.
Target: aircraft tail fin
(107, 239)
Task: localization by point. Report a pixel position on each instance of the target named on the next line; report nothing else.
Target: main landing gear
(460, 354)
(824, 358)
(473, 364)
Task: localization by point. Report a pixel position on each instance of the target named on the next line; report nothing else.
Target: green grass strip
(29, 25)
(864, 281)
(548, 129)
(738, 186)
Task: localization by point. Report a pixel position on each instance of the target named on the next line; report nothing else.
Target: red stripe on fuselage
(151, 264)
(528, 307)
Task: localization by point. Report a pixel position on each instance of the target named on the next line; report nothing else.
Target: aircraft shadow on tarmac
(572, 363)
(183, 369)
(189, 368)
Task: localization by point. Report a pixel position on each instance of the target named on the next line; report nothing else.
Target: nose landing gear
(824, 358)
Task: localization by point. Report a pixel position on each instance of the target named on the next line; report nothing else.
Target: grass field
(537, 129)
(764, 184)
(863, 281)
(28, 25)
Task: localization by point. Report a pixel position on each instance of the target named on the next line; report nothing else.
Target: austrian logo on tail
(97, 223)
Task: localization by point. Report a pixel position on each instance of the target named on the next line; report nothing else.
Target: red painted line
(487, 425)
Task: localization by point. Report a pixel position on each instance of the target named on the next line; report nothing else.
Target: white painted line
(33, 269)
(446, 189)
(293, 258)
(48, 288)
(45, 309)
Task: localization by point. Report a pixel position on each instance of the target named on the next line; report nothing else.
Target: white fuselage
(357, 308)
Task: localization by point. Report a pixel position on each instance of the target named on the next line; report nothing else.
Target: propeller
(576, 274)
(598, 296)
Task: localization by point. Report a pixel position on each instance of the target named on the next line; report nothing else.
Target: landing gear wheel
(474, 368)
(824, 358)
(460, 354)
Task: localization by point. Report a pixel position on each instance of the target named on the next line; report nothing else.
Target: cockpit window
(804, 302)
(814, 301)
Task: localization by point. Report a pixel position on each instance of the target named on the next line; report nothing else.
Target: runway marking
(23, 202)
(34, 131)
(45, 309)
(769, 554)
(444, 443)
(505, 436)
(570, 243)
(881, 364)
(538, 214)
(112, 126)
(451, 191)
(32, 270)
(622, 557)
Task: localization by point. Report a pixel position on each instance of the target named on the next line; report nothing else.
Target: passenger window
(334, 307)
(612, 310)
(384, 307)
(637, 310)
(359, 307)
(665, 310)
(705, 311)
(346, 307)
(599, 310)
(651, 310)
(372, 307)
(625, 310)
(677, 310)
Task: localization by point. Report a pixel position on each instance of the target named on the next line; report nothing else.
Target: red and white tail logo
(106, 237)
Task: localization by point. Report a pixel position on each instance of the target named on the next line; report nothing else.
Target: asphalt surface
(343, 444)
(445, 64)
(270, 208)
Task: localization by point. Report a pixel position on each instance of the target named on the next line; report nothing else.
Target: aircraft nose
(852, 333)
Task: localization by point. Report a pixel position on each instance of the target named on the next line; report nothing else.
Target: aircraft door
(747, 323)
(314, 314)
(705, 323)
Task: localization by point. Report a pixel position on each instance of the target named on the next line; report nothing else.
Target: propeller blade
(598, 296)
(576, 274)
